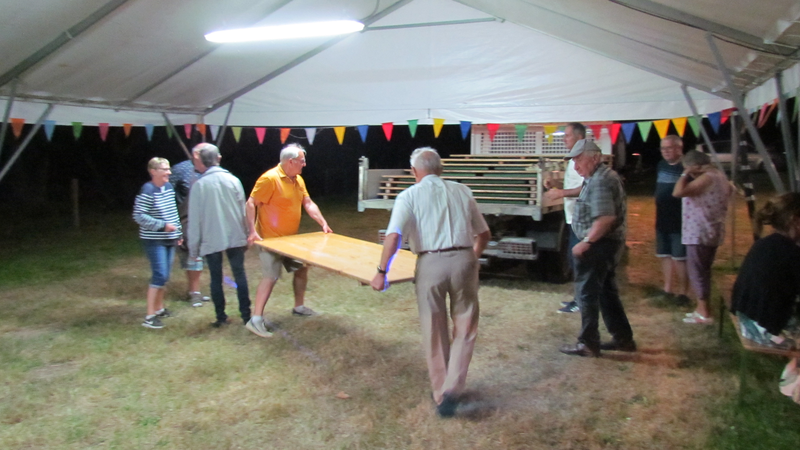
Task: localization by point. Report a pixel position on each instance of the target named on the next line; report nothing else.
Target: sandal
(695, 317)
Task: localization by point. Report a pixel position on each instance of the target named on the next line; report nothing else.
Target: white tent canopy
(485, 61)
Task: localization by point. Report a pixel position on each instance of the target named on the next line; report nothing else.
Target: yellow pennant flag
(437, 127)
(661, 126)
(680, 125)
(339, 134)
(237, 133)
(548, 131)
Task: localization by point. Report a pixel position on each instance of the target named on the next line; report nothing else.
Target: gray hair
(695, 158)
(427, 160)
(208, 154)
(578, 129)
(291, 151)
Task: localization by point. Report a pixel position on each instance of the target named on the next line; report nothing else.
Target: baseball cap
(581, 146)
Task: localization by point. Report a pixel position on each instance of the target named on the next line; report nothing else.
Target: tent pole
(224, 125)
(703, 131)
(27, 141)
(177, 136)
(739, 101)
(788, 145)
(7, 114)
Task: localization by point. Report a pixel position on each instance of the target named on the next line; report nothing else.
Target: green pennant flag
(237, 133)
(169, 132)
(77, 128)
(694, 125)
(644, 129)
(521, 127)
(412, 127)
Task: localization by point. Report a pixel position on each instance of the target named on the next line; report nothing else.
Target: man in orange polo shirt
(273, 210)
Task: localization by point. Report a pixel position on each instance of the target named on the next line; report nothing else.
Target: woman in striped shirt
(160, 231)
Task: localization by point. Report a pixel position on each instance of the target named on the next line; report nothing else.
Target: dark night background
(112, 172)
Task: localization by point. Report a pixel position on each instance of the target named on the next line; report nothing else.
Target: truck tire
(556, 266)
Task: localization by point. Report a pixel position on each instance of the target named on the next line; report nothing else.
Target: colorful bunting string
(77, 129)
(285, 134)
(412, 127)
(465, 127)
(362, 130)
(521, 128)
(644, 129)
(103, 128)
(339, 134)
(310, 134)
(694, 124)
(714, 119)
(614, 132)
(387, 130)
(148, 128)
(661, 127)
(596, 130)
(49, 127)
(16, 126)
(680, 125)
(237, 133)
(201, 127)
(187, 130)
(492, 127)
(437, 127)
(548, 131)
(126, 128)
(213, 129)
(627, 131)
(260, 133)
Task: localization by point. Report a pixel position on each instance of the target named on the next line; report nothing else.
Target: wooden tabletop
(346, 256)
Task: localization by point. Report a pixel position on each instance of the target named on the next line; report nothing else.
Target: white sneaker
(258, 328)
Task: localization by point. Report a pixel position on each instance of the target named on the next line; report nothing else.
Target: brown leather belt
(445, 250)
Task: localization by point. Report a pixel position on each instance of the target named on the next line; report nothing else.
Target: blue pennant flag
(49, 127)
(362, 130)
(627, 130)
(465, 126)
(148, 127)
(714, 119)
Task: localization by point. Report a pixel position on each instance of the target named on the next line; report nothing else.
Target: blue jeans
(236, 260)
(597, 292)
(160, 252)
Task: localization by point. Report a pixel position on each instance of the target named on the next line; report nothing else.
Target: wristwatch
(381, 271)
(586, 240)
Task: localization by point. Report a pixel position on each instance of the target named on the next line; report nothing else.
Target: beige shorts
(271, 264)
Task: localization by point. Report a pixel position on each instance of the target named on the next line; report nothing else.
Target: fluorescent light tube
(293, 31)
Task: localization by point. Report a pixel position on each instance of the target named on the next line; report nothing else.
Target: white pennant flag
(310, 133)
(214, 130)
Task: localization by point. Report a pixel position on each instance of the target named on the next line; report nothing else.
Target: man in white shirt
(448, 234)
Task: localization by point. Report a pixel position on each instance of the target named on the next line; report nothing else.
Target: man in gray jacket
(217, 223)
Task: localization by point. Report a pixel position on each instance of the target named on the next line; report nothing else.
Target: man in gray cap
(599, 223)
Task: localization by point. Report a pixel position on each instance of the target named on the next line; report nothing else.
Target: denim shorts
(669, 245)
(187, 263)
(161, 253)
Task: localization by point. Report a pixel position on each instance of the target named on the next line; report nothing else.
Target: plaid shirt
(602, 195)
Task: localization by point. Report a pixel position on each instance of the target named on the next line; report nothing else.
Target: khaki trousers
(439, 274)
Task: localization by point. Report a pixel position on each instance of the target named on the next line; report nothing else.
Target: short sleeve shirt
(668, 207)
(602, 195)
(281, 201)
(572, 180)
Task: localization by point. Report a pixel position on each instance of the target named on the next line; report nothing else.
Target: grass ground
(78, 371)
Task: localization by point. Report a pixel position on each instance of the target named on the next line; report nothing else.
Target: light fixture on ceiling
(293, 31)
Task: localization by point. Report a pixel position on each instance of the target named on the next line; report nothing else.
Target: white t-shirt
(571, 180)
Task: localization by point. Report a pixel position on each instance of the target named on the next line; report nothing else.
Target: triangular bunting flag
(310, 133)
(725, 114)
(614, 132)
(596, 130)
(187, 130)
(103, 127)
(694, 125)
(49, 127)
(714, 119)
(237, 133)
(339, 134)
(362, 130)
(126, 127)
(680, 125)
(169, 131)
(16, 126)
(492, 127)
(201, 127)
(285, 134)
(520, 128)
(387, 130)
(661, 127)
(548, 132)
(148, 128)
(77, 129)
(465, 127)
(260, 133)
(644, 129)
(627, 131)
(412, 127)
(213, 129)
(763, 120)
(437, 127)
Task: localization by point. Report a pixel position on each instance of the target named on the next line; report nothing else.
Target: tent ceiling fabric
(501, 61)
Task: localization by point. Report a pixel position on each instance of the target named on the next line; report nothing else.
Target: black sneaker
(153, 322)
(448, 406)
(164, 313)
(570, 308)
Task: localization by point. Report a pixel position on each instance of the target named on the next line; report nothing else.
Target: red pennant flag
(596, 130)
(126, 127)
(16, 126)
(285, 134)
(614, 132)
(187, 129)
(103, 131)
(492, 127)
(260, 132)
(387, 130)
(201, 127)
(725, 114)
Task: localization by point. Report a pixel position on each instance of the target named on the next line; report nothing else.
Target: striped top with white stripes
(153, 209)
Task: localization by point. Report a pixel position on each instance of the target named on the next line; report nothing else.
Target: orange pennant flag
(548, 132)
(661, 126)
(437, 127)
(339, 134)
(680, 125)
(492, 127)
(16, 126)
(126, 127)
(201, 127)
(285, 134)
